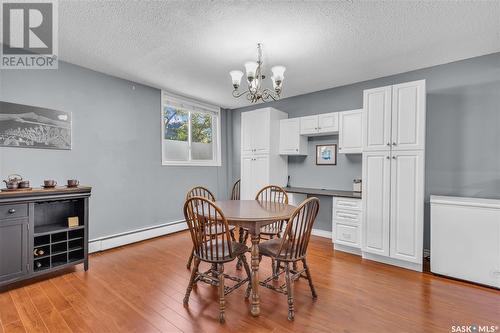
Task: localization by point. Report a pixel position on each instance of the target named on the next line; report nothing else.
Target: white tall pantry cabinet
(393, 174)
(261, 163)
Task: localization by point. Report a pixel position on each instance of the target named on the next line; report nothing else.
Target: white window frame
(192, 106)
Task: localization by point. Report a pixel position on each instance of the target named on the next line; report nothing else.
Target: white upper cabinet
(377, 119)
(394, 117)
(255, 132)
(308, 125)
(408, 115)
(407, 205)
(328, 122)
(322, 124)
(291, 142)
(351, 132)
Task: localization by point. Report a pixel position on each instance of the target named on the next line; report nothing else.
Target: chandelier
(254, 72)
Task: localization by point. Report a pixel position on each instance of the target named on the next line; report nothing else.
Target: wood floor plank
(30, 317)
(49, 314)
(8, 312)
(140, 288)
(14, 327)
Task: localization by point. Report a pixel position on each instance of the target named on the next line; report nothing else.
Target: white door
(247, 124)
(351, 131)
(377, 119)
(246, 187)
(407, 205)
(260, 170)
(408, 115)
(376, 202)
(328, 122)
(261, 131)
(289, 136)
(308, 125)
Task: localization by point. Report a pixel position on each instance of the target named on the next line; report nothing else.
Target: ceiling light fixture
(254, 73)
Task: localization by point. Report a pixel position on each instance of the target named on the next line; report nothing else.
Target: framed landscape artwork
(326, 154)
(25, 126)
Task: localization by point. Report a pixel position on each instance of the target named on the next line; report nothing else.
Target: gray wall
(116, 147)
(463, 131)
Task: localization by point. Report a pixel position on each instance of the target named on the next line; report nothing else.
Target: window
(190, 132)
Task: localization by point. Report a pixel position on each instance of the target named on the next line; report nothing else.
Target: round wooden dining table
(253, 215)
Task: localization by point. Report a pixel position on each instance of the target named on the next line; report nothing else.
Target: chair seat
(223, 253)
(271, 247)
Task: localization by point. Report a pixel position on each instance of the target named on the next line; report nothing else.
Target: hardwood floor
(140, 287)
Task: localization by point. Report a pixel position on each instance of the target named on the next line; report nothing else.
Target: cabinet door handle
(296, 150)
(387, 157)
(394, 157)
(12, 211)
(388, 143)
(394, 144)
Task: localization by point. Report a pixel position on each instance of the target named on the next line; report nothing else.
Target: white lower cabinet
(346, 226)
(393, 199)
(254, 175)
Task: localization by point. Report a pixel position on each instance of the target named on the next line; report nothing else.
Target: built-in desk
(339, 217)
(324, 192)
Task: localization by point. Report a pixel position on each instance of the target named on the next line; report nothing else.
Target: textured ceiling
(189, 47)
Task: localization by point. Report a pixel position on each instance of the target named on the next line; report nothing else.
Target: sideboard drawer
(346, 234)
(15, 210)
(344, 216)
(347, 203)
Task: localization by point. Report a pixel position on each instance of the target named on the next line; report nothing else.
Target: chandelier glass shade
(254, 77)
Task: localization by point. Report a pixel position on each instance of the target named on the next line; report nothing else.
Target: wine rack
(60, 247)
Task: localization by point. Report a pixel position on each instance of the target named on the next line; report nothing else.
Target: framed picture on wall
(25, 126)
(326, 154)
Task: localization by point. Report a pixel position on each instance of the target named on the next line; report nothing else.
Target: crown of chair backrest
(200, 191)
(298, 230)
(272, 193)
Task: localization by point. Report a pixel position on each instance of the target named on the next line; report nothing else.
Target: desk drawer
(347, 235)
(347, 203)
(13, 210)
(344, 216)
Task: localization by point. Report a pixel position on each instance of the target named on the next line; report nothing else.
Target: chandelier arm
(270, 93)
(239, 94)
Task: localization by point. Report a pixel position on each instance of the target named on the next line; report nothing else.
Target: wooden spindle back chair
(292, 247)
(272, 193)
(235, 192)
(213, 243)
(200, 191)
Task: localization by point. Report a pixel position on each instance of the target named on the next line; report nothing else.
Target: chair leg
(249, 274)
(276, 269)
(289, 292)
(222, 302)
(191, 281)
(190, 259)
(308, 273)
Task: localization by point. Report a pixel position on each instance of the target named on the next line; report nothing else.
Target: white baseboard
(392, 261)
(321, 233)
(348, 249)
(133, 236)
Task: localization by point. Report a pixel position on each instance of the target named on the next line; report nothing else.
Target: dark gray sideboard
(34, 235)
